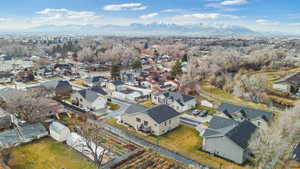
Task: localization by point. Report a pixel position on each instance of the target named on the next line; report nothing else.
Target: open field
(47, 153)
(184, 140)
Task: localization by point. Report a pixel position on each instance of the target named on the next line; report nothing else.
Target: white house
(59, 131)
(114, 85)
(177, 101)
(92, 99)
(157, 120)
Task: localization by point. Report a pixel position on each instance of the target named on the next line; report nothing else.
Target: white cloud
(170, 10)
(64, 16)
(266, 22)
(209, 16)
(149, 16)
(128, 6)
(234, 2)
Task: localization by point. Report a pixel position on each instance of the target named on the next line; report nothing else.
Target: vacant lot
(47, 154)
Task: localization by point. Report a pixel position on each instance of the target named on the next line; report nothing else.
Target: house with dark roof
(228, 138)
(95, 81)
(240, 113)
(157, 120)
(114, 85)
(177, 101)
(60, 87)
(289, 84)
(91, 99)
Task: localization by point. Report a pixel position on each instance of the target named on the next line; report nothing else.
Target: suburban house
(131, 93)
(95, 81)
(91, 99)
(239, 113)
(60, 87)
(228, 138)
(289, 84)
(179, 102)
(157, 120)
(114, 85)
(59, 132)
(130, 76)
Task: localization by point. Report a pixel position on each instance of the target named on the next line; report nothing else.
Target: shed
(59, 131)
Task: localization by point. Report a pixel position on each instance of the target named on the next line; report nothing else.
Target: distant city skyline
(258, 15)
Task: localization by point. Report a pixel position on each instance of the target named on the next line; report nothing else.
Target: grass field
(47, 154)
(184, 140)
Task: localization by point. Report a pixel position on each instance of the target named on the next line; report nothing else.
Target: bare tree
(31, 106)
(272, 145)
(92, 144)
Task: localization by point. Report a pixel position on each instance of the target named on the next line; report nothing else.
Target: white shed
(59, 131)
(79, 143)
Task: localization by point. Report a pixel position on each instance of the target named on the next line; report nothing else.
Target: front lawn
(184, 140)
(147, 103)
(113, 106)
(47, 153)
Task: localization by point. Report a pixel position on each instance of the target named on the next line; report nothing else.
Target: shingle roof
(176, 96)
(238, 132)
(161, 113)
(135, 108)
(55, 84)
(98, 90)
(117, 82)
(242, 133)
(219, 122)
(89, 95)
(293, 79)
(230, 109)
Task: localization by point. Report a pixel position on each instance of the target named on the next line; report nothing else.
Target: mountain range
(154, 29)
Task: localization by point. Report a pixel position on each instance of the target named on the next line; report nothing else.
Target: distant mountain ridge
(148, 29)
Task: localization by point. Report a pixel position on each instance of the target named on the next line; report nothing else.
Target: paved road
(155, 147)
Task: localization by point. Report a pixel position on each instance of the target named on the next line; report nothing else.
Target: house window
(165, 123)
(138, 119)
(146, 123)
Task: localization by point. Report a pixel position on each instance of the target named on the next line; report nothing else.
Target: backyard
(47, 153)
(184, 140)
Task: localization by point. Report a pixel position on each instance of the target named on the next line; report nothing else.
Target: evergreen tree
(115, 71)
(176, 69)
(136, 64)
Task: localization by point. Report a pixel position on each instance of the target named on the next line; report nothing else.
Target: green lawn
(184, 140)
(113, 106)
(47, 154)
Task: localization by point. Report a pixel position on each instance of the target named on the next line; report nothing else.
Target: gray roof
(242, 133)
(95, 79)
(89, 95)
(135, 108)
(8, 93)
(54, 84)
(238, 132)
(32, 131)
(98, 90)
(161, 113)
(218, 122)
(231, 110)
(181, 98)
(117, 82)
(293, 79)
(57, 127)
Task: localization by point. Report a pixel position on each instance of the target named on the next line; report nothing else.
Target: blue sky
(261, 15)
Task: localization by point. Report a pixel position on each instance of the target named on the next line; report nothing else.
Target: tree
(92, 143)
(273, 144)
(31, 106)
(115, 71)
(136, 64)
(176, 69)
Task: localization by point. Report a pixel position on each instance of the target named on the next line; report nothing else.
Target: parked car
(201, 113)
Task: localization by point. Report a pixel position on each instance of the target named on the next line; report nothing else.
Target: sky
(258, 15)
